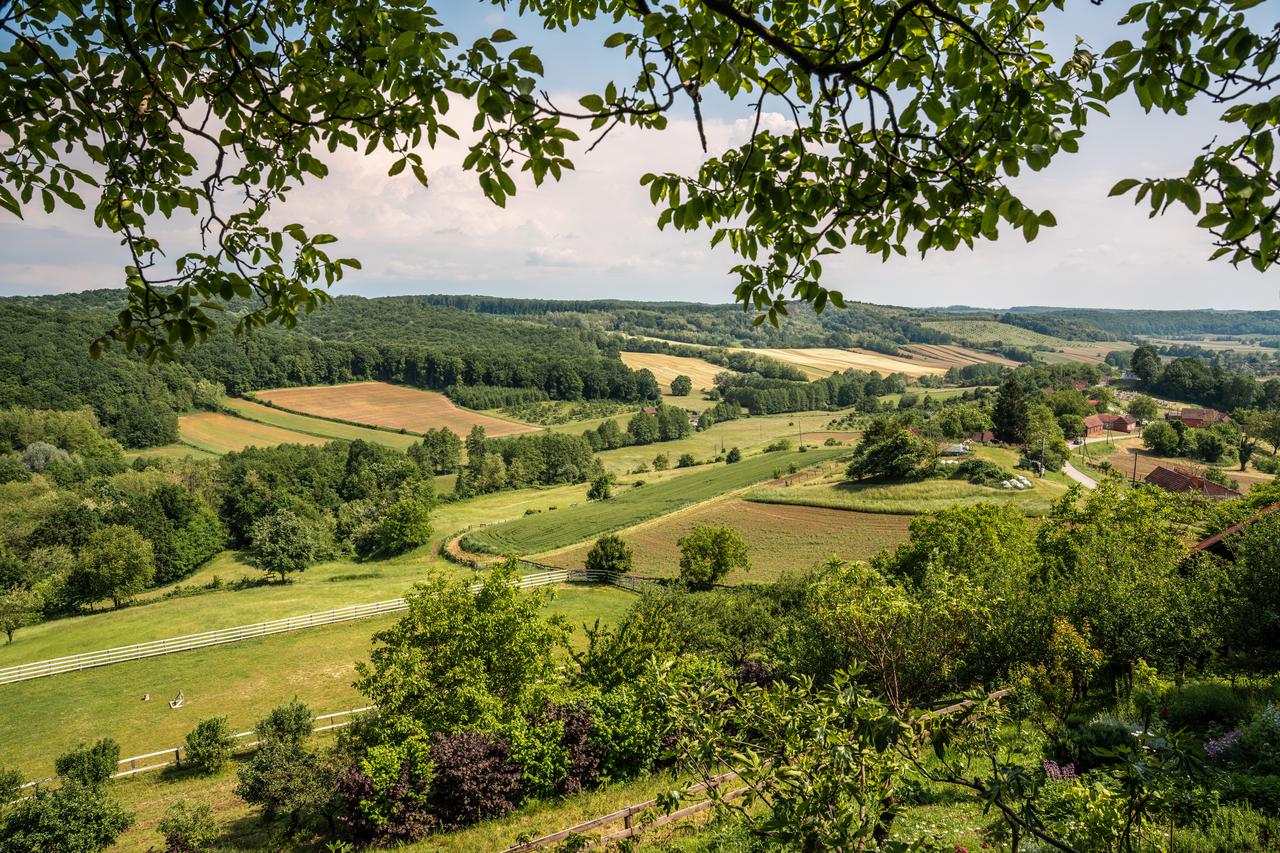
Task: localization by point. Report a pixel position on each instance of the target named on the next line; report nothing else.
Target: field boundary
(545, 576)
(176, 751)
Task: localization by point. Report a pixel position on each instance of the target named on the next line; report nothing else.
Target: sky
(594, 234)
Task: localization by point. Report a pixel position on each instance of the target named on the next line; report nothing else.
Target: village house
(1216, 544)
(1197, 418)
(1097, 424)
(1182, 482)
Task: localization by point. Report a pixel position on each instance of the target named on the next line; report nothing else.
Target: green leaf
(1123, 187)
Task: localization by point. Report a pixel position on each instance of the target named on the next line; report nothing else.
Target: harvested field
(667, 367)
(214, 432)
(820, 361)
(328, 430)
(780, 538)
(949, 355)
(391, 406)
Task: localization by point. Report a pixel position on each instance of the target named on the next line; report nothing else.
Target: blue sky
(593, 235)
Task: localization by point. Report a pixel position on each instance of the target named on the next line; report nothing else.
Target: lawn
(780, 538)
(385, 405)
(330, 430)
(546, 531)
(216, 433)
(833, 491)
(243, 681)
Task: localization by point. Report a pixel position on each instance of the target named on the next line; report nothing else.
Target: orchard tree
(18, 608)
(282, 543)
(115, 563)
(610, 554)
(1143, 408)
(707, 554)
(903, 124)
(681, 386)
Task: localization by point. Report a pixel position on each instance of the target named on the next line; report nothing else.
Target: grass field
(947, 355)
(169, 451)
(547, 531)
(328, 430)
(667, 367)
(780, 538)
(214, 432)
(833, 491)
(384, 405)
(243, 681)
(990, 331)
(819, 362)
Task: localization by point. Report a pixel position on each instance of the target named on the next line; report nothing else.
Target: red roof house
(1197, 418)
(1095, 424)
(1214, 544)
(1184, 482)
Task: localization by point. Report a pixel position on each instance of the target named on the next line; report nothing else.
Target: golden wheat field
(215, 432)
(384, 405)
(821, 361)
(667, 367)
(949, 355)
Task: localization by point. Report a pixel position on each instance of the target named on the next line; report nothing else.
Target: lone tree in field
(601, 489)
(610, 554)
(18, 608)
(903, 122)
(282, 544)
(707, 554)
(681, 386)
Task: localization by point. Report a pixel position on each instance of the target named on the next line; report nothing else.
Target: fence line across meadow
(548, 575)
(130, 765)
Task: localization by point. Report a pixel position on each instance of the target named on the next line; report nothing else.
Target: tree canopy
(905, 122)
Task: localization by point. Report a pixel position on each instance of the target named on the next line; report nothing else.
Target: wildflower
(1059, 772)
(1215, 749)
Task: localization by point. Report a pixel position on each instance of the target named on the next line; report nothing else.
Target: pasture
(242, 681)
(391, 406)
(535, 534)
(328, 430)
(823, 361)
(780, 538)
(667, 367)
(991, 331)
(218, 433)
(833, 491)
(950, 355)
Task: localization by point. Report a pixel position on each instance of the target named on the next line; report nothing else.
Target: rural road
(1075, 474)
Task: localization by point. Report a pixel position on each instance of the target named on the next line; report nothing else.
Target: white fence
(89, 660)
(130, 765)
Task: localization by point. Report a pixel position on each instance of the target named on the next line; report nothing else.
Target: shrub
(610, 554)
(187, 829)
(75, 818)
(777, 445)
(1203, 705)
(735, 455)
(1078, 744)
(1260, 792)
(661, 462)
(707, 554)
(90, 766)
(209, 744)
(475, 778)
(13, 471)
(628, 740)
(286, 725)
(981, 472)
(1260, 742)
(386, 794)
(284, 779)
(686, 460)
(600, 490)
(1230, 829)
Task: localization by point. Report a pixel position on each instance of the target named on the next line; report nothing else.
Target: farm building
(1184, 482)
(1216, 545)
(1096, 424)
(1197, 418)
(984, 436)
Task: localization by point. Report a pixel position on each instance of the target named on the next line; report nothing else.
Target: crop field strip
(950, 355)
(823, 361)
(319, 427)
(392, 406)
(218, 433)
(667, 367)
(780, 538)
(540, 533)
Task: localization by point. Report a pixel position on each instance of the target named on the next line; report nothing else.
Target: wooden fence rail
(548, 575)
(129, 766)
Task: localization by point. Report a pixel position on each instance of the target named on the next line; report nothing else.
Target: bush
(209, 744)
(75, 818)
(406, 524)
(981, 472)
(661, 462)
(475, 778)
(1260, 792)
(187, 829)
(1078, 743)
(777, 445)
(610, 554)
(386, 794)
(735, 455)
(707, 554)
(90, 766)
(600, 490)
(686, 460)
(12, 470)
(1202, 706)
(1230, 829)
(1260, 742)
